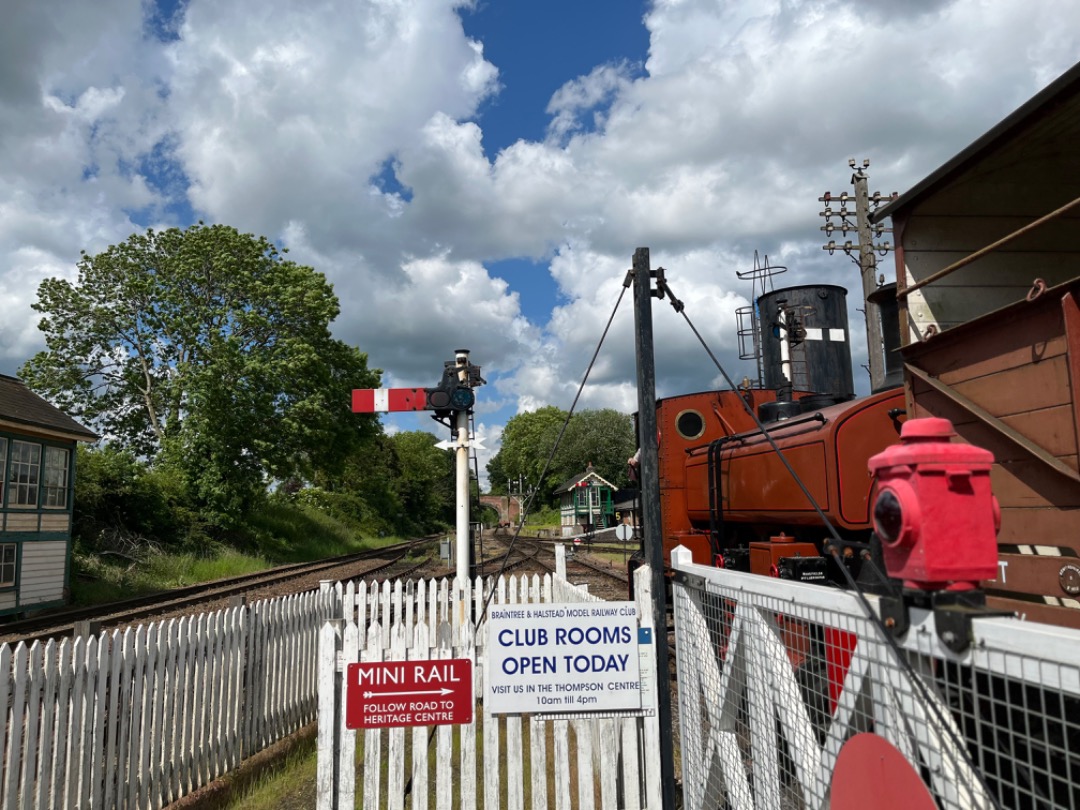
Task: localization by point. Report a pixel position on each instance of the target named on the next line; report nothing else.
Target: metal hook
(1037, 289)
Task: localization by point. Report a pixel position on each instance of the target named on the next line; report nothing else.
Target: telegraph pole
(650, 511)
(867, 260)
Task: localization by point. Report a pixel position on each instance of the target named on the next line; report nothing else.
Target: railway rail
(57, 624)
(532, 555)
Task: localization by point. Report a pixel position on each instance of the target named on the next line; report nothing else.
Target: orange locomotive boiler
(726, 495)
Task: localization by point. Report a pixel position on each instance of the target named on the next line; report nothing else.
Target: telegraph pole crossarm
(857, 221)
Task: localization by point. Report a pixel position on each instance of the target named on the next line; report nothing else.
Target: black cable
(547, 464)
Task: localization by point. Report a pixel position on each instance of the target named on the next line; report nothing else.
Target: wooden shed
(37, 450)
(988, 283)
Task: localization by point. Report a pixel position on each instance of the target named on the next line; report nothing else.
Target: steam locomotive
(726, 494)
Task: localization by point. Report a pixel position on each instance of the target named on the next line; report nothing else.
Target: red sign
(409, 693)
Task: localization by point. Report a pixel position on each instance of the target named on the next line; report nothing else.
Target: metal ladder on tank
(748, 319)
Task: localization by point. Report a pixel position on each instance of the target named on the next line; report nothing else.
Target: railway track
(530, 555)
(63, 623)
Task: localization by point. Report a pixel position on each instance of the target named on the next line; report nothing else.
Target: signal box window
(7, 565)
(3, 466)
(25, 473)
(56, 477)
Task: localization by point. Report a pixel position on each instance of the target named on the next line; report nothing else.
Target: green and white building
(585, 504)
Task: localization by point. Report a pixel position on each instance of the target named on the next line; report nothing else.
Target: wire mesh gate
(787, 691)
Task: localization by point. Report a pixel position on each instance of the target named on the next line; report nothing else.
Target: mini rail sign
(558, 658)
(387, 694)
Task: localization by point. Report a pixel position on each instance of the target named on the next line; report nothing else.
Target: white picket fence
(616, 758)
(139, 718)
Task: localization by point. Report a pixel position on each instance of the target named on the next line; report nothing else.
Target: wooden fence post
(325, 780)
(658, 680)
(346, 737)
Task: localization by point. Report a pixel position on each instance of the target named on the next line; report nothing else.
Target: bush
(346, 507)
(122, 505)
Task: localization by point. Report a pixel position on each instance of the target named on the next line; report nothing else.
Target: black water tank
(884, 298)
(820, 348)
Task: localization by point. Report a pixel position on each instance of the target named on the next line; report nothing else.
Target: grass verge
(279, 533)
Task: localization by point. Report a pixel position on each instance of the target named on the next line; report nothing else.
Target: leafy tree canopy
(397, 484)
(527, 441)
(605, 438)
(208, 351)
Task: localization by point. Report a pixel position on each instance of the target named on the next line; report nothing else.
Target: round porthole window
(690, 424)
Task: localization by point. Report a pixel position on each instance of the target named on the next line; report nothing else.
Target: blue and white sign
(557, 658)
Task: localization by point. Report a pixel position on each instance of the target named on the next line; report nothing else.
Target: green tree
(425, 483)
(527, 441)
(604, 438)
(399, 484)
(497, 476)
(207, 351)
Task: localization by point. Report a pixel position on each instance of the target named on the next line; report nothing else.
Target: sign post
(452, 401)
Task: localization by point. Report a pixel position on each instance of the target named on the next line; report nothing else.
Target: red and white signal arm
(386, 400)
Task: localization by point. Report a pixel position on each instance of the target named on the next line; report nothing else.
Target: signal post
(451, 400)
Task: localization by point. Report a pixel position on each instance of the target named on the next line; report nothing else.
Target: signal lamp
(888, 517)
(462, 398)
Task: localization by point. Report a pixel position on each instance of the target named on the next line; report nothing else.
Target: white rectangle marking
(382, 400)
(837, 335)
(813, 333)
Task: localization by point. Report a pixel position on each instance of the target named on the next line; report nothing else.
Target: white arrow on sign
(395, 694)
(446, 444)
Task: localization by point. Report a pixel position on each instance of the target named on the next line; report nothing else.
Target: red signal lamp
(934, 512)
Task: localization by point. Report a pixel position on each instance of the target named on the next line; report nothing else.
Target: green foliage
(107, 577)
(605, 438)
(122, 505)
(208, 352)
(118, 565)
(400, 484)
(286, 530)
(527, 441)
(425, 483)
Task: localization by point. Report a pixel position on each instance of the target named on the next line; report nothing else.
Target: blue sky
(538, 48)
(478, 174)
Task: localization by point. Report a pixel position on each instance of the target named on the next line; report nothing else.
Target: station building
(37, 458)
(585, 504)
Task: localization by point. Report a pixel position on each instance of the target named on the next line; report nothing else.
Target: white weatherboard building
(37, 461)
